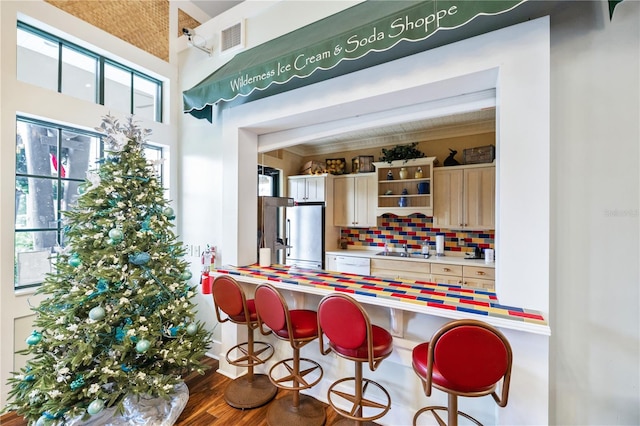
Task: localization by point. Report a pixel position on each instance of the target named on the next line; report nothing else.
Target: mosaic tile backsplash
(414, 230)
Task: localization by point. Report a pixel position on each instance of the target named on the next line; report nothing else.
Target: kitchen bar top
(451, 301)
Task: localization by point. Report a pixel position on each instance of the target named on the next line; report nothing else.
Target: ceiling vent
(232, 38)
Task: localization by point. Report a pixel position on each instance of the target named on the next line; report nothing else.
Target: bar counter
(412, 311)
(449, 301)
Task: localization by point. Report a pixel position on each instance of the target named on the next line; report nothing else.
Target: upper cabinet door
(343, 207)
(447, 198)
(307, 189)
(365, 200)
(465, 197)
(480, 196)
(315, 189)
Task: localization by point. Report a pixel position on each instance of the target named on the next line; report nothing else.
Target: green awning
(368, 34)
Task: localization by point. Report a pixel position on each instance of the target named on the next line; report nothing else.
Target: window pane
(117, 88)
(36, 206)
(78, 74)
(36, 149)
(153, 154)
(145, 101)
(79, 153)
(37, 60)
(33, 252)
(265, 185)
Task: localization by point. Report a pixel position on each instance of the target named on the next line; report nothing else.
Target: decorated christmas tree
(118, 319)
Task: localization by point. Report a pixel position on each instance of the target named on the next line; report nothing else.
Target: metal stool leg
(250, 390)
(295, 409)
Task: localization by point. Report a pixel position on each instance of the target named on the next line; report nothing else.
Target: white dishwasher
(353, 265)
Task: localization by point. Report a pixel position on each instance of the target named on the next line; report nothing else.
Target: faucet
(406, 252)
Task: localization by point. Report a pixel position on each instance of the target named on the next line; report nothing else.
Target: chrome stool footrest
(359, 403)
(262, 352)
(296, 375)
(441, 422)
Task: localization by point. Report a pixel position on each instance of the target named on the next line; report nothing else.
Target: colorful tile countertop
(419, 293)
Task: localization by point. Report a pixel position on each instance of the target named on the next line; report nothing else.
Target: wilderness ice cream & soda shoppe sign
(334, 46)
(353, 46)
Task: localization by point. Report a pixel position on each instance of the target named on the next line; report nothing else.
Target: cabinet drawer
(480, 283)
(401, 266)
(479, 272)
(444, 269)
(446, 279)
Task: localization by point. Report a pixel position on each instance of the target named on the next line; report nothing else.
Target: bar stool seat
(250, 390)
(464, 358)
(299, 327)
(352, 336)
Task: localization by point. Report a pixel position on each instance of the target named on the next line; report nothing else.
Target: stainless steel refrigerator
(305, 235)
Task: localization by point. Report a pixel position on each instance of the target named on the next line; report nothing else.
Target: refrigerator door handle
(287, 236)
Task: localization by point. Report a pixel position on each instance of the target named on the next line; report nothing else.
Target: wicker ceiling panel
(145, 24)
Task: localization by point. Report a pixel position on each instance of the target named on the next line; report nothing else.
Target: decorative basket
(336, 166)
(480, 154)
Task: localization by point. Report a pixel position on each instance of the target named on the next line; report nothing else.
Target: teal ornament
(44, 421)
(77, 383)
(97, 313)
(168, 212)
(81, 190)
(125, 368)
(29, 378)
(186, 275)
(192, 328)
(139, 258)
(142, 346)
(116, 234)
(74, 261)
(34, 338)
(95, 407)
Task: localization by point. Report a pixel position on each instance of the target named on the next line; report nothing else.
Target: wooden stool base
(243, 394)
(309, 412)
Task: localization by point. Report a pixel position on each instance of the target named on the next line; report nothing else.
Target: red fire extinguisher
(208, 258)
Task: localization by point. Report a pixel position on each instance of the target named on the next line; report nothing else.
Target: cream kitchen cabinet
(307, 189)
(398, 269)
(467, 275)
(479, 277)
(464, 197)
(354, 200)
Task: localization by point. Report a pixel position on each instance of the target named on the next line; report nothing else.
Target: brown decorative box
(336, 166)
(480, 154)
(362, 164)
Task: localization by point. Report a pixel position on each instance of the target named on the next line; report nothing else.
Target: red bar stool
(298, 327)
(250, 390)
(464, 358)
(352, 336)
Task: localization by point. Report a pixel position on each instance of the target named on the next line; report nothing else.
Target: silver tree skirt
(141, 411)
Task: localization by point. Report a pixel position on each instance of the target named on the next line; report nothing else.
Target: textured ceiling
(142, 23)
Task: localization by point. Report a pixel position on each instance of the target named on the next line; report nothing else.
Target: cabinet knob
(447, 269)
(481, 273)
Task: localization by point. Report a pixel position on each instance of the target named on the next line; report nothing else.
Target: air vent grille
(231, 37)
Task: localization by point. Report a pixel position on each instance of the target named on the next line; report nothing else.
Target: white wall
(595, 151)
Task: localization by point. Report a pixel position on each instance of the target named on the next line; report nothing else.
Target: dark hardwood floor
(206, 406)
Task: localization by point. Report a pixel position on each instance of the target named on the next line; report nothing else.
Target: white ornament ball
(95, 407)
(116, 234)
(168, 212)
(192, 328)
(97, 313)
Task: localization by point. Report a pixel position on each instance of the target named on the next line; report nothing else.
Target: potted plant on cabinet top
(401, 152)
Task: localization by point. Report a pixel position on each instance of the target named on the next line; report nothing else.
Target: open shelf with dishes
(404, 187)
